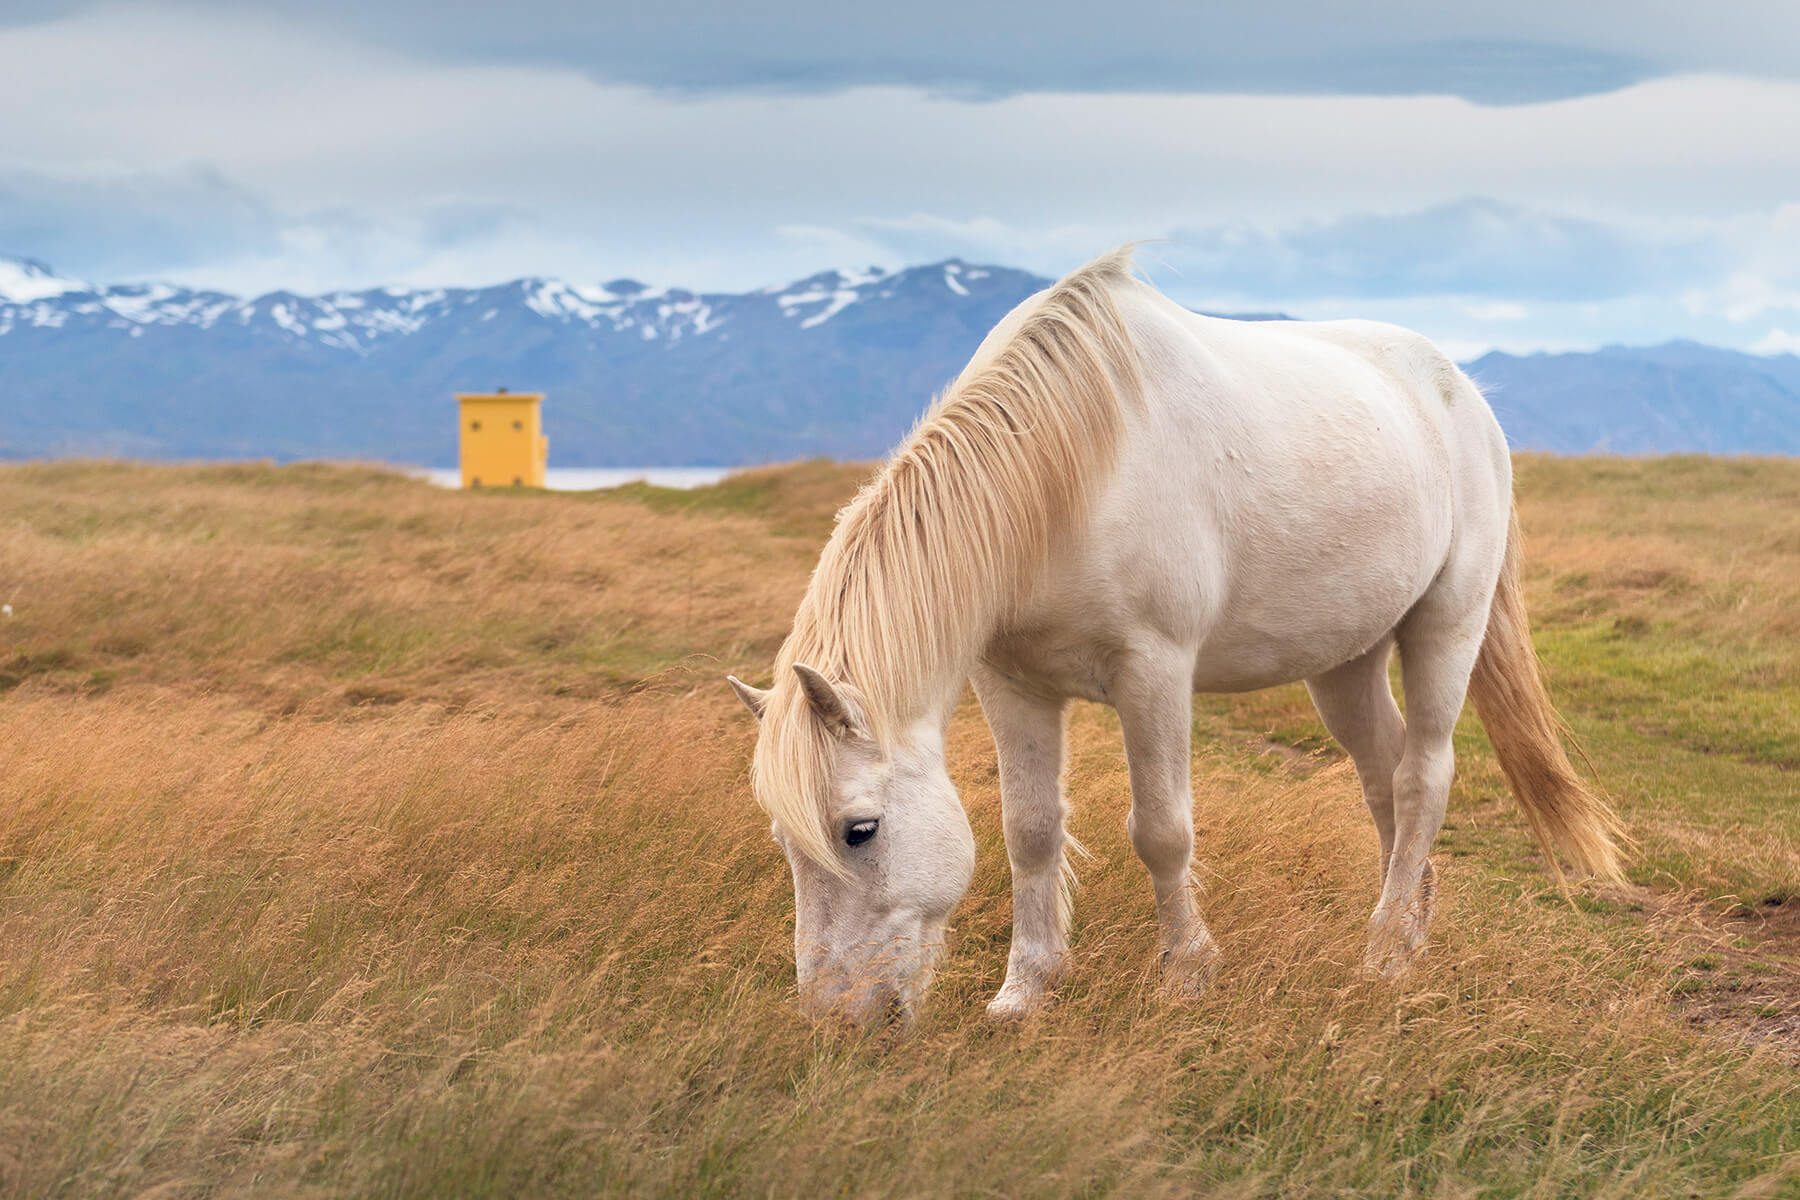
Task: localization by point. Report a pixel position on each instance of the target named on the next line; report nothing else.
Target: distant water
(586, 479)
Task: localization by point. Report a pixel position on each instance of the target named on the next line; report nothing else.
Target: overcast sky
(1524, 175)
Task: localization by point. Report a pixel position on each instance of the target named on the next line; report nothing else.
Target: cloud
(29, 12)
(1777, 341)
(926, 237)
(1495, 310)
(1471, 247)
(194, 225)
(1766, 274)
(128, 222)
(320, 121)
(1488, 51)
(439, 243)
(1492, 256)
(1745, 295)
(334, 157)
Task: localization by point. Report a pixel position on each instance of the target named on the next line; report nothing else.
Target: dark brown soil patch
(1734, 971)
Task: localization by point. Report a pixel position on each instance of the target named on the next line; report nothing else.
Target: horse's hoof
(1190, 975)
(1015, 1005)
(1394, 963)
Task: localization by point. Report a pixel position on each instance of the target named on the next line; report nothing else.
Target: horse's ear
(755, 699)
(827, 702)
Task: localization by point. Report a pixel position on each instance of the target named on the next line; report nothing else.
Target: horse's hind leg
(1028, 735)
(1438, 643)
(1357, 705)
(1154, 697)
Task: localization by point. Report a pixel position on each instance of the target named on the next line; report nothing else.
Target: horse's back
(1288, 492)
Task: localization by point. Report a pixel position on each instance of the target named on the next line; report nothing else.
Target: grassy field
(363, 838)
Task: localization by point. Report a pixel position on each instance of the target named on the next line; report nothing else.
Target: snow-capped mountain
(839, 363)
(31, 295)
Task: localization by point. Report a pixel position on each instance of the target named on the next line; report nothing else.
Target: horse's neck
(941, 706)
(932, 698)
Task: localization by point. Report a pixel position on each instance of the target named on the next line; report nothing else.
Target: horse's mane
(947, 540)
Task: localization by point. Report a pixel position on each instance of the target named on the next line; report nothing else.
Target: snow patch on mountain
(23, 280)
(839, 301)
(834, 301)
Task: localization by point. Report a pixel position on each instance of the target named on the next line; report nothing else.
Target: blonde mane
(948, 540)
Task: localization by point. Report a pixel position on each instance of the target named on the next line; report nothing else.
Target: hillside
(837, 364)
(1680, 396)
(359, 837)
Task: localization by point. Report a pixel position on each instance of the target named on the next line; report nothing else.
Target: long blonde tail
(1565, 815)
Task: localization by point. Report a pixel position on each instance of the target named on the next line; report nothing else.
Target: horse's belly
(1288, 587)
(1242, 659)
(1284, 617)
(1251, 629)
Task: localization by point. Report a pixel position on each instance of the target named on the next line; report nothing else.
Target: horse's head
(877, 840)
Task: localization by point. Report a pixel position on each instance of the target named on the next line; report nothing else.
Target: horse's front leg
(1028, 734)
(1153, 693)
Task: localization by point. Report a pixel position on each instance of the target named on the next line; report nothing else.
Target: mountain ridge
(838, 363)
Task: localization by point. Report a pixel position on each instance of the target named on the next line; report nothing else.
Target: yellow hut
(503, 442)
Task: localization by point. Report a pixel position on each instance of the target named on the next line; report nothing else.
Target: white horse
(1125, 502)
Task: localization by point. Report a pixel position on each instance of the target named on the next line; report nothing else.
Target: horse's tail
(1509, 696)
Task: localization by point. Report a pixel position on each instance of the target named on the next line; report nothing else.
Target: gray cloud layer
(1490, 52)
(129, 223)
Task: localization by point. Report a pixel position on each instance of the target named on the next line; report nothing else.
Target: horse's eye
(860, 832)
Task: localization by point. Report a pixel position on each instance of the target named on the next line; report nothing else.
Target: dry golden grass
(360, 838)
